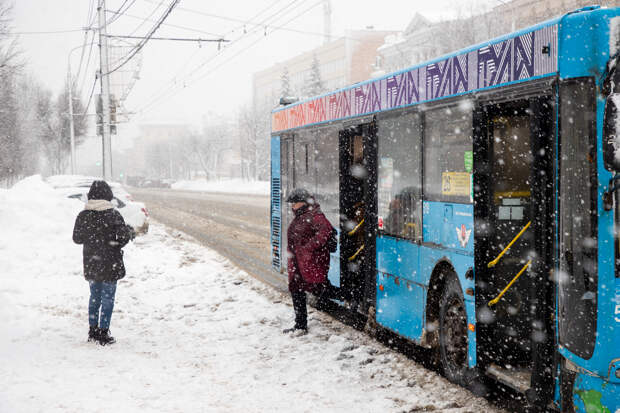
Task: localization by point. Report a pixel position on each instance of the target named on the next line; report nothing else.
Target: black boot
(299, 331)
(301, 314)
(105, 337)
(93, 333)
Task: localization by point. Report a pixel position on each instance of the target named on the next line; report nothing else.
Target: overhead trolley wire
(90, 97)
(77, 75)
(120, 12)
(90, 51)
(148, 17)
(255, 16)
(175, 39)
(261, 25)
(176, 26)
(43, 32)
(172, 92)
(90, 19)
(146, 39)
(170, 86)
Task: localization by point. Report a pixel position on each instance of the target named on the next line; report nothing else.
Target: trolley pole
(105, 94)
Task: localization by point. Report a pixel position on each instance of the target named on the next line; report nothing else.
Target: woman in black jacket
(103, 232)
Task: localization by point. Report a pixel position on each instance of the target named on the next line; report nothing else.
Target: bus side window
(399, 184)
(448, 154)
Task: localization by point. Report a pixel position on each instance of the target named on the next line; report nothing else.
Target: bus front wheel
(453, 331)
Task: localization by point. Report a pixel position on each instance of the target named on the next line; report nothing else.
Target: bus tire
(453, 331)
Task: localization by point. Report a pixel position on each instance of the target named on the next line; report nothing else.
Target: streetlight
(71, 127)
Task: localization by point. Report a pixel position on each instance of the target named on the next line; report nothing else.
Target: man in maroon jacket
(308, 254)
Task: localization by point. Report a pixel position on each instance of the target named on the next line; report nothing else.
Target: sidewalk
(194, 334)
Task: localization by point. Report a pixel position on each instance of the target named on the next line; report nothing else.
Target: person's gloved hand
(132, 232)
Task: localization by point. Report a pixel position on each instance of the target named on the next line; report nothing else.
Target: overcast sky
(183, 81)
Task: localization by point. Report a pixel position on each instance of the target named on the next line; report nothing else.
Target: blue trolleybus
(476, 198)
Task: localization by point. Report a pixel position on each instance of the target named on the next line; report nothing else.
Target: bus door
(357, 211)
(287, 171)
(513, 240)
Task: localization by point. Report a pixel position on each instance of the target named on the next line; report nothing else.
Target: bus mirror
(611, 140)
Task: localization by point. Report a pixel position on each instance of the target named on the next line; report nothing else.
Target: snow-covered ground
(231, 186)
(194, 333)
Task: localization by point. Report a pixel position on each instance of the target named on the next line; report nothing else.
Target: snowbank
(232, 186)
(194, 334)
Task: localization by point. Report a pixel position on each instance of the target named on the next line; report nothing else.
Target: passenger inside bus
(402, 216)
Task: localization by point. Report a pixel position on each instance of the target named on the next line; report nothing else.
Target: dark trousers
(301, 310)
(323, 291)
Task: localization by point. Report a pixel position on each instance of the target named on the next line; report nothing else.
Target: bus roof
(527, 54)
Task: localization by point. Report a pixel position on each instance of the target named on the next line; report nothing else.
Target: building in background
(174, 151)
(341, 62)
(517, 14)
(423, 40)
(152, 153)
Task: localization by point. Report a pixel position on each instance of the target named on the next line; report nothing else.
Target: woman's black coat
(103, 234)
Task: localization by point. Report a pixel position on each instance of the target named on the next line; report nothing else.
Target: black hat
(299, 195)
(100, 190)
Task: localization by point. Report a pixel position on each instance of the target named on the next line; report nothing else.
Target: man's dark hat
(100, 190)
(299, 195)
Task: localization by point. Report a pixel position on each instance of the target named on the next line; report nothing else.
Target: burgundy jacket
(308, 257)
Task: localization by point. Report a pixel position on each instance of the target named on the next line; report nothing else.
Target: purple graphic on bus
(519, 58)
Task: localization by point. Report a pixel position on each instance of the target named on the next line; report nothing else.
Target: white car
(77, 187)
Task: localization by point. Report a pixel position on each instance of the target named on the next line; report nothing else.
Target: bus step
(518, 379)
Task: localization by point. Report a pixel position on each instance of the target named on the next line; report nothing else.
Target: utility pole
(105, 93)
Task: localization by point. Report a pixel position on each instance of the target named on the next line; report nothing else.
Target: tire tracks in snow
(237, 237)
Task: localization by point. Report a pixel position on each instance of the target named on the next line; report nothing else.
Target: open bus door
(514, 244)
(358, 159)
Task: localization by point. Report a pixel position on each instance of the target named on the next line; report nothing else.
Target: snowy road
(194, 333)
(236, 226)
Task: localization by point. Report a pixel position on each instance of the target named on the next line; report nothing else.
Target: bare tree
(254, 137)
(9, 48)
(54, 133)
(11, 146)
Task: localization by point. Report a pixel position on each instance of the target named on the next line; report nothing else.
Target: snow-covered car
(77, 186)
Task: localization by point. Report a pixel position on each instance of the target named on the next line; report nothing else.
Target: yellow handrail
(354, 230)
(496, 260)
(352, 257)
(496, 299)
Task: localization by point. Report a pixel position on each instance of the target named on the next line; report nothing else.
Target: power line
(90, 51)
(81, 60)
(249, 23)
(191, 29)
(172, 92)
(255, 16)
(257, 28)
(119, 12)
(172, 83)
(45, 32)
(260, 24)
(176, 39)
(90, 97)
(148, 36)
(186, 63)
(90, 19)
(148, 17)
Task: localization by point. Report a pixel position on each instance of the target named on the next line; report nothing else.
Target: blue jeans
(101, 296)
